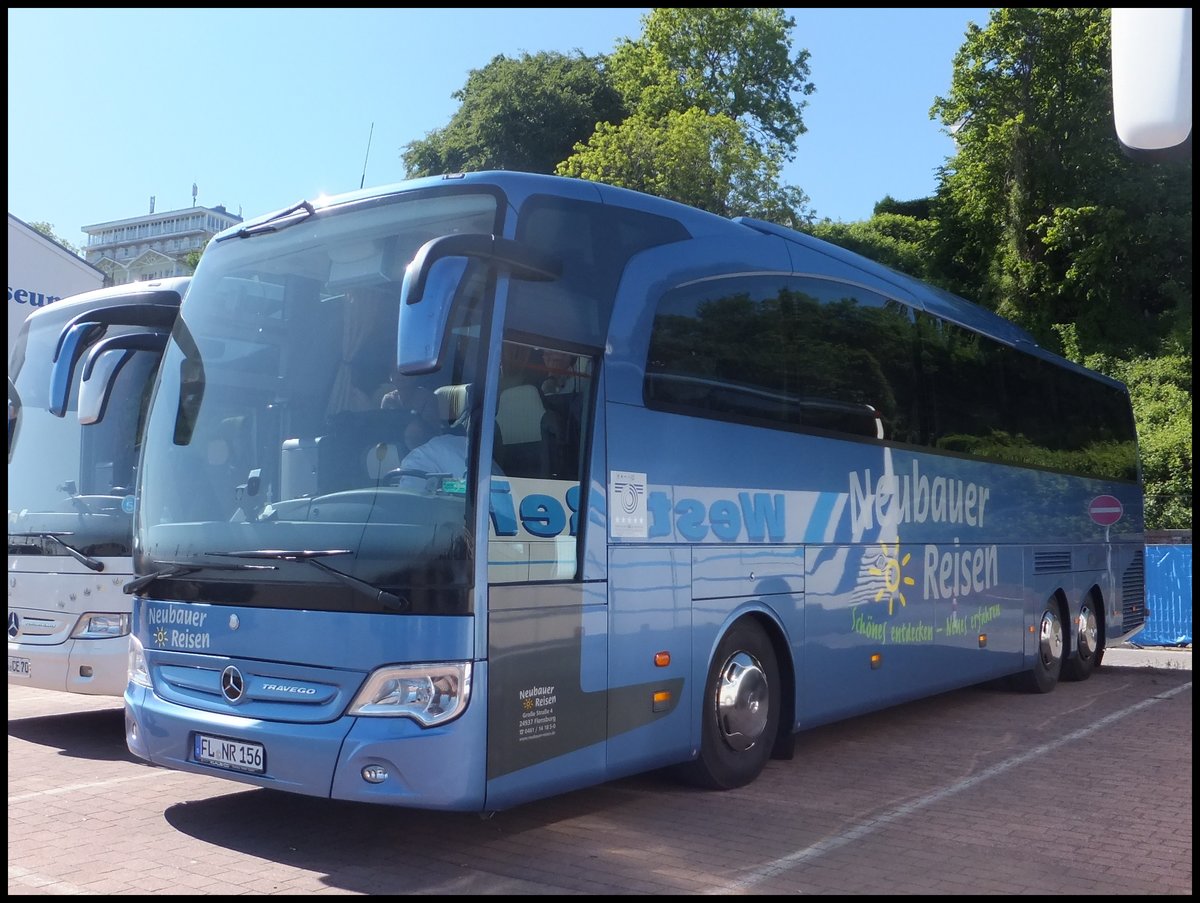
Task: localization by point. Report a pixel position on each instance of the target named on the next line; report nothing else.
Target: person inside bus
(443, 454)
(564, 377)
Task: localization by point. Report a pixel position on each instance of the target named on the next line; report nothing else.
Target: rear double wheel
(1048, 657)
(1089, 645)
(740, 711)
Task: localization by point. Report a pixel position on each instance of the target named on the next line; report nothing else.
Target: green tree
(731, 61)
(716, 99)
(897, 240)
(1039, 213)
(693, 157)
(47, 230)
(521, 114)
(1161, 389)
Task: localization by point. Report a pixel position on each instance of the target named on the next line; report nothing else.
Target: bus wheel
(740, 714)
(1048, 663)
(1088, 649)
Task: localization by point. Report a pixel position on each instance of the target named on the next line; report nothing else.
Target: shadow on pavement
(98, 735)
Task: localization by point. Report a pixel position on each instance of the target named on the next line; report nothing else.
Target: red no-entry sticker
(1105, 510)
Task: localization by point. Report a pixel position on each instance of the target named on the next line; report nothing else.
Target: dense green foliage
(1161, 388)
(692, 157)
(724, 61)
(524, 114)
(703, 107)
(897, 240)
(1039, 214)
(715, 95)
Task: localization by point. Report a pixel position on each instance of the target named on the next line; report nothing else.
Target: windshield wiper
(178, 568)
(389, 601)
(275, 223)
(86, 560)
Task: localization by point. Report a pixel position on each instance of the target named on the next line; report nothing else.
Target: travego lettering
(914, 498)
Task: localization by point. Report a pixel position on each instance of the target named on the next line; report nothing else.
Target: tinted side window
(987, 400)
(818, 355)
(784, 351)
(594, 242)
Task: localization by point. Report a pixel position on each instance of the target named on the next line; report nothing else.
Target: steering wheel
(393, 477)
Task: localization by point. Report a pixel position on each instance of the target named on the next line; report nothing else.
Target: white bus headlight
(139, 671)
(429, 694)
(100, 625)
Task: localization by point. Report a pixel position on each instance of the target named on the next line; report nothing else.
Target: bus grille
(1051, 562)
(1133, 593)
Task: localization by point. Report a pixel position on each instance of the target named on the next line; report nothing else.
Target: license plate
(18, 668)
(234, 755)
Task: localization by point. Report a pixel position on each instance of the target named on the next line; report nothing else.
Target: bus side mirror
(422, 326)
(104, 363)
(72, 344)
(438, 273)
(91, 325)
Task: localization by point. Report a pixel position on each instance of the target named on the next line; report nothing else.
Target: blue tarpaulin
(1168, 596)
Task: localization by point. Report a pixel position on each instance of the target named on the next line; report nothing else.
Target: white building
(40, 272)
(153, 246)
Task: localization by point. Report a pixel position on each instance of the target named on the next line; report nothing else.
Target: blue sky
(262, 108)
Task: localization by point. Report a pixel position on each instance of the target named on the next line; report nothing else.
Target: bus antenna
(363, 180)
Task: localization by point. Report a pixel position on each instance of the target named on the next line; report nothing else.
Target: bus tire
(740, 711)
(1089, 646)
(1048, 661)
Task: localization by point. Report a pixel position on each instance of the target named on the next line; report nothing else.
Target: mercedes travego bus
(71, 476)
(383, 556)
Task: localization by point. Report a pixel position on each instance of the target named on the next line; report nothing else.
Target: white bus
(71, 489)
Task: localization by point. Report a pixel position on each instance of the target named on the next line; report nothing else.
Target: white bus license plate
(234, 755)
(18, 668)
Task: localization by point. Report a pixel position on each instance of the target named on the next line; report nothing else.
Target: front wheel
(740, 711)
(1048, 662)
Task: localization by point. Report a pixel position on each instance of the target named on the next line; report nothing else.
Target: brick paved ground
(1087, 790)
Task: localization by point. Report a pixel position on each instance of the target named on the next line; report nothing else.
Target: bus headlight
(100, 625)
(428, 694)
(139, 671)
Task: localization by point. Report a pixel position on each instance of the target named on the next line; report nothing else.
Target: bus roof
(920, 294)
(154, 290)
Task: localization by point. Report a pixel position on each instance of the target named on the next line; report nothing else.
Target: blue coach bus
(716, 482)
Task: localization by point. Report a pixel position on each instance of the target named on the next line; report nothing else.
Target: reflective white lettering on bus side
(914, 498)
(959, 572)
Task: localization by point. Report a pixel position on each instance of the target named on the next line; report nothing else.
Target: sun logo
(527, 705)
(160, 636)
(893, 579)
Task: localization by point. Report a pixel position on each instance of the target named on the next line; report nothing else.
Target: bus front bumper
(386, 760)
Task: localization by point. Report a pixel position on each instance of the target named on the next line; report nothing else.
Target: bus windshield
(73, 483)
(281, 425)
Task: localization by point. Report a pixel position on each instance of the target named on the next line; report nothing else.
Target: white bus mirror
(1152, 82)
